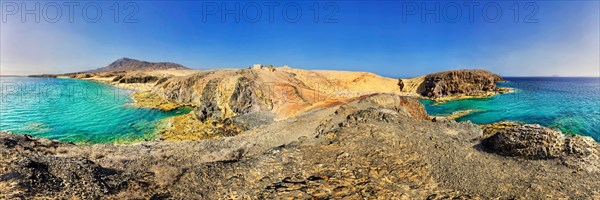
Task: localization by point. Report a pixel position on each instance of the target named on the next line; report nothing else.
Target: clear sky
(390, 38)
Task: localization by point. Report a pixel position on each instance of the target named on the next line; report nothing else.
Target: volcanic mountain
(126, 64)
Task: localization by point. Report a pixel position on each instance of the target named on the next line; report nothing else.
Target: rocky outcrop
(533, 141)
(80, 75)
(209, 107)
(30, 169)
(244, 99)
(582, 153)
(183, 89)
(383, 107)
(581, 146)
(459, 83)
(528, 141)
(43, 76)
(136, 79)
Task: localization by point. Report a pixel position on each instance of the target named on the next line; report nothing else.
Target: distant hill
(125, 64)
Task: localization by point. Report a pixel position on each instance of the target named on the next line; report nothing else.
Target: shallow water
(74, 110)
(569, 104)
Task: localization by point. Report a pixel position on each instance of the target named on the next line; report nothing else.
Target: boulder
(530, 141)
(581, 146)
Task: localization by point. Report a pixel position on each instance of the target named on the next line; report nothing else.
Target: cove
(78, 111)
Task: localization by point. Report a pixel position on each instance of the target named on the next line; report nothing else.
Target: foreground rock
(30, 168)
(377, 146)
(528, 141)
(532, 141)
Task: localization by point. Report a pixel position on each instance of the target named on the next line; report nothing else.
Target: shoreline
(139, 101)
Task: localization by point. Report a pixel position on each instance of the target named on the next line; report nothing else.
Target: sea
(571, 105)
(89, 112)
(78, 111)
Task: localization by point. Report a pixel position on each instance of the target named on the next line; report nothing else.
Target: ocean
(78, 111)
(568, 104)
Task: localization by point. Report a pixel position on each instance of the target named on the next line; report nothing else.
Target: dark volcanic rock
(528, 141)
(137, 79)
(459, 82)
(209, 107)
(243, 98)
(43, 76)
(30, 167)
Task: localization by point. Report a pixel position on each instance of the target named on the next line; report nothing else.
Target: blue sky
(544, 39)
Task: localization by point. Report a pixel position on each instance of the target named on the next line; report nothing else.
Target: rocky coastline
(460, 84)
(280, 132)
(378, 146)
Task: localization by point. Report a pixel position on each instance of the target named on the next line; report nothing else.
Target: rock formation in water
(459, 83)
(43, 76)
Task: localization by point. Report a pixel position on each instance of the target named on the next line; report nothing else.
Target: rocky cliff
(458, 83)
(284, 92)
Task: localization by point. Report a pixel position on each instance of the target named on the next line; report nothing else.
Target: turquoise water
(73, 110)
(569, 104)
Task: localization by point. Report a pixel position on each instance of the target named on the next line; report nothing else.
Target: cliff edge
(459, 84)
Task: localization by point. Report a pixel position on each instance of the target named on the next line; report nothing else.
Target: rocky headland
(460, 84)
(279, 132)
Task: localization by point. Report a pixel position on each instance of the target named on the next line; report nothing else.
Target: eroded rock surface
(533, 141)
(529, 141)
